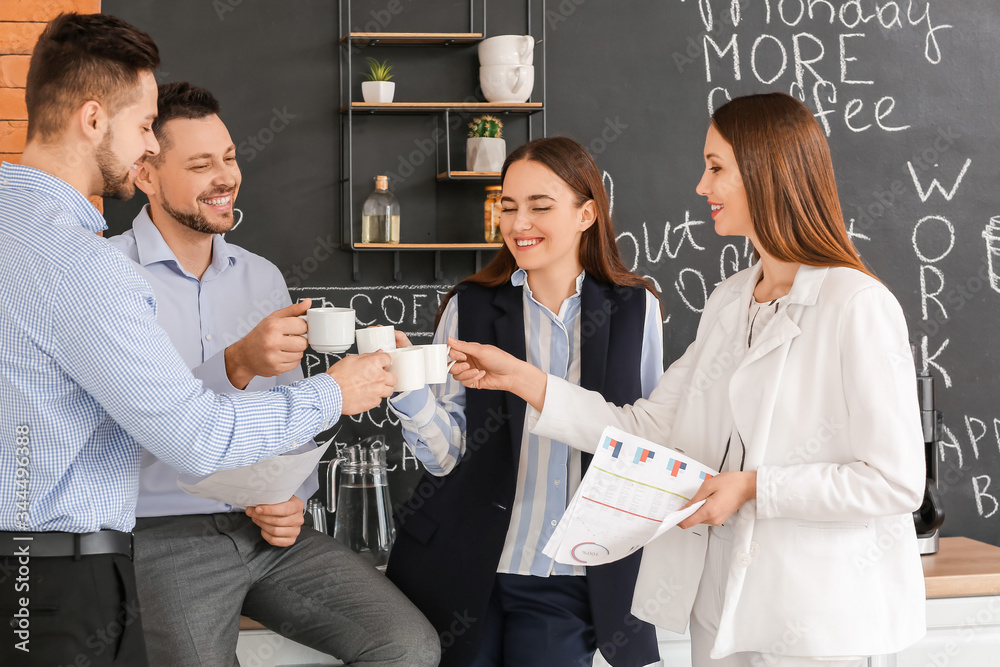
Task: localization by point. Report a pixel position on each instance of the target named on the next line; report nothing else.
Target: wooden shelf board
(962, 567)
(427, 246)
(414, 37)
(441, 106)
(444, 175)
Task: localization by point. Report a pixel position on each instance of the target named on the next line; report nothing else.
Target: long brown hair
(599, 256)
(787, 173)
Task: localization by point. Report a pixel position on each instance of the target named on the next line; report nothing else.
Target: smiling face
(542, 220)
(196, 179)
(129, 138)
(722, 185)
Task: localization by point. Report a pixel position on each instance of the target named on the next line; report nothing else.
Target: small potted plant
(378, 88)
(485, 150)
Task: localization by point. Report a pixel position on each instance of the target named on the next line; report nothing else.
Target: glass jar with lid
(491, 217)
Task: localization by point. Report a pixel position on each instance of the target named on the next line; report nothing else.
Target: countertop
(962, 567)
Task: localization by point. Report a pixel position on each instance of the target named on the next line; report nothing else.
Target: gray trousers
(197, 574)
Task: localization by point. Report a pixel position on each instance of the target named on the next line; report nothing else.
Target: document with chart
(632, 493)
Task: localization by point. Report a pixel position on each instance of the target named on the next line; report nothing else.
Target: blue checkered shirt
(86, 374)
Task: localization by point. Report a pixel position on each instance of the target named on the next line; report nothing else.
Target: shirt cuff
(768, 482)
(544, 423)
(407, 404)
(328, 397)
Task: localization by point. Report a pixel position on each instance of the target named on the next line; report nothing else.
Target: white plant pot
(378, 92)
(485, 153)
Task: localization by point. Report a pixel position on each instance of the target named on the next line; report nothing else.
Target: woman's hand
(483, 366)
(487, 367)
(724, 494)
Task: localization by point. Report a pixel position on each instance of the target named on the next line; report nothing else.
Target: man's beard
(197, 221)
(116, 181)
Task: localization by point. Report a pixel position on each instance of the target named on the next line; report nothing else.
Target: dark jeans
(538, 622)
(81, 612)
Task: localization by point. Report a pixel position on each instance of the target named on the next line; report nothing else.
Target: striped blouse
(549, 471)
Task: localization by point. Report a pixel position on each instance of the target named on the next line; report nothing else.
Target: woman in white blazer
(800, 388)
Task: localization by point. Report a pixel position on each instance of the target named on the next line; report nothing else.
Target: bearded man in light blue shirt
(200, 563)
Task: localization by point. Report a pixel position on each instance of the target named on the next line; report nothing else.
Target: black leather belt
(48, 545)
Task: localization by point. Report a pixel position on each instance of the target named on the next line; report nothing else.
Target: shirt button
(743, 560)
(554, 522)
(208, 336)
(558, 482)
(754, 548)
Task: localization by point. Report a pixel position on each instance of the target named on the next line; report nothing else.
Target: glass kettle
(358, 494)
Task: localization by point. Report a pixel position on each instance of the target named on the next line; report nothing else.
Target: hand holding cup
(273, 347)
(488, 367)
(364, 381)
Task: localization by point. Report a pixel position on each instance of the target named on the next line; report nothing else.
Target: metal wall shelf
(439, 107)
(469, 176)
(413, 38)
(444, 172)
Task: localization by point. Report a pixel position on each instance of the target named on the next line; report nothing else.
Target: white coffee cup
(436, 363)
(507, 83)
(330, 330)
(408, 367)
(374, 339)
(507, 50)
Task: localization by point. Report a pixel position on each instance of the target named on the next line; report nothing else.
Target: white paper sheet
(632, 493)
(266, 482)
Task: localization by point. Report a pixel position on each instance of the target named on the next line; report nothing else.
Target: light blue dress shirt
(86, 374)
(203, 318)
(549, 471)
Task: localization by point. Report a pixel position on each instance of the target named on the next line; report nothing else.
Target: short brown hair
(180, 99)
(81, 57)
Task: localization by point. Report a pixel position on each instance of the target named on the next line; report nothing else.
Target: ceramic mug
(436, 363)
(408, 367)
(507, 50)
(374, 339)
(330, 330)
(507, 83)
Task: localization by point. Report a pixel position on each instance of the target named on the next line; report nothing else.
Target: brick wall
(21, 21)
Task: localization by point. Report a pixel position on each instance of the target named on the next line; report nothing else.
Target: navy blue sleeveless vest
(453, 528)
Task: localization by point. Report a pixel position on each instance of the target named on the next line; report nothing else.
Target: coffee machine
(930, 516)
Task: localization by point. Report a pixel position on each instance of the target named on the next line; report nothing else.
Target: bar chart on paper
(632, 493)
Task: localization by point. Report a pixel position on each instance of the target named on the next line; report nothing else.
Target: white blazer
(826, 560)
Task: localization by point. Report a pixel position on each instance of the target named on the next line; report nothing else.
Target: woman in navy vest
(469, 552)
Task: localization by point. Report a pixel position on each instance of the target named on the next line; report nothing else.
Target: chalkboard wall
(907, 91)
